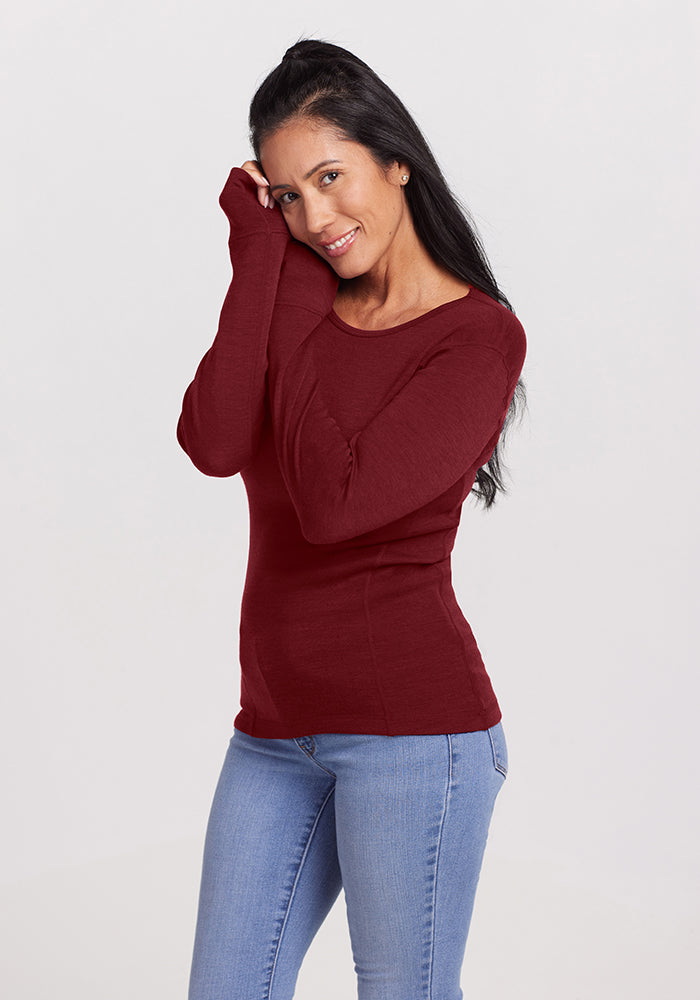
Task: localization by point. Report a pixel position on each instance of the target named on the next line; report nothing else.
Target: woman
(360, 380)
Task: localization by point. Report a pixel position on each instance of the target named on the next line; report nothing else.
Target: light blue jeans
(398, 822)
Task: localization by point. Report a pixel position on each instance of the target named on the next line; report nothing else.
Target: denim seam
(313, 759)
(496, 763)
(294, 888)
(437, 865)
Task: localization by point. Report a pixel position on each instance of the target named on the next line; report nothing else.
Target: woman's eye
(289, 196)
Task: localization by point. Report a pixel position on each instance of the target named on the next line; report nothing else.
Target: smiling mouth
(340, 245)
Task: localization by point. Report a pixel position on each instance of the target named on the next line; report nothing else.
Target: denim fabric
(398, 822)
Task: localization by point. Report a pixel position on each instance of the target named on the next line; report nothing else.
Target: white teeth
(339, 243)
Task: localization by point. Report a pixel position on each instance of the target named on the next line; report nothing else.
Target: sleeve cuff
(239, 202)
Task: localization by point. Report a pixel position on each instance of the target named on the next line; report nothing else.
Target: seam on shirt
(263, 230)
(259, 366)
(302, 343)
(299, 305)
(505, 402)
(370, 641)
(440, 346)
(478, 700)
(398, 327)
(504, 355)
(471, 721)
(509, 378)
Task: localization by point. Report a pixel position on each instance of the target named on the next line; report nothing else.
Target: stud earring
(404, 177)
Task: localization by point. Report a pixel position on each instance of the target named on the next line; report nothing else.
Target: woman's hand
(255, 170)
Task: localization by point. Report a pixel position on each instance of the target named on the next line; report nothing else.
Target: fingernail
(266, 203)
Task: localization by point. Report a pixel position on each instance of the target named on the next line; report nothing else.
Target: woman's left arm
(444, 422)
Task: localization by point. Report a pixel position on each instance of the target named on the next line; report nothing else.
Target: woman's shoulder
(478, 319)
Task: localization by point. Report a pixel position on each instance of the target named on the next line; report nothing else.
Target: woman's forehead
(299, 146)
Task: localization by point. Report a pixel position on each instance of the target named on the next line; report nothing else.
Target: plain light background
(567, 129)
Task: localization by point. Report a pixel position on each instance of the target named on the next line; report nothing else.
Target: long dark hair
(321, 81)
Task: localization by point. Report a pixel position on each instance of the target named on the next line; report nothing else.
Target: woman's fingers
(255, 171)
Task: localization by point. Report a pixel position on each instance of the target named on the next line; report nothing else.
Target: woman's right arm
(223, 407)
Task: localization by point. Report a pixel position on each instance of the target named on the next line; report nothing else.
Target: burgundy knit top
(357, 449)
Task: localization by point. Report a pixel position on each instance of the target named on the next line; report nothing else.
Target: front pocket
(499, 748)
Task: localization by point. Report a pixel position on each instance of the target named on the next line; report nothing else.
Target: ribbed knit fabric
(357, 449)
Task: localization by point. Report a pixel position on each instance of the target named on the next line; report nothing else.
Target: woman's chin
(346, 269)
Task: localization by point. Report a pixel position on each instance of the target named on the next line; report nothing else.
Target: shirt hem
(290, 729)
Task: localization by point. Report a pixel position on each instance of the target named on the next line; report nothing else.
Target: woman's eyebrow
(323, 163)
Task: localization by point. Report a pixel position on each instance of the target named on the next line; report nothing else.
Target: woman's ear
(399, 173)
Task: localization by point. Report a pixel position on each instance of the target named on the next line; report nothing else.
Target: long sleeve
(223, 407)
(443, 423)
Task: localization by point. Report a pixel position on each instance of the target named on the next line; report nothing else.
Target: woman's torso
(363, 635)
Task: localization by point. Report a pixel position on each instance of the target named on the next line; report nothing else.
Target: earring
(404, 177)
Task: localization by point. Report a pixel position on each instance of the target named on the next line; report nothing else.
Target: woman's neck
(378, 300)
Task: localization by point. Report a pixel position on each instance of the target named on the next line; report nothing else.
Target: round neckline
(400, 326)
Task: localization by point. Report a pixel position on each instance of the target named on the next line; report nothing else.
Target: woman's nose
(318, 214)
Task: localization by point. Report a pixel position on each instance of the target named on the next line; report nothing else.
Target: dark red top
(357, 449)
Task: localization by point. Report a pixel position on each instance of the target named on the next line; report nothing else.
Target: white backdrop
(567, 129)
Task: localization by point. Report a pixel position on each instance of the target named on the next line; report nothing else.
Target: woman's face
(329, 189)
